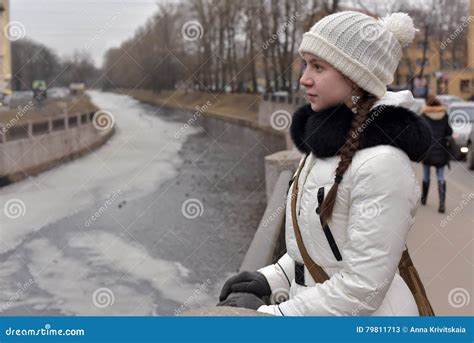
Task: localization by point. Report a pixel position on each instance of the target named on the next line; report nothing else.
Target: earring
(355, 99)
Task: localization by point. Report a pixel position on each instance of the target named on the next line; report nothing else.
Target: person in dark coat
(438, 156)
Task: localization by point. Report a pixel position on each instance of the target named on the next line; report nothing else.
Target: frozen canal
(152, 222)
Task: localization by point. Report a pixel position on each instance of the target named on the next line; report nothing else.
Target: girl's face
(325, 85)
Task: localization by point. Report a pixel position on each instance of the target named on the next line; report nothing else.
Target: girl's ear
(351, 83)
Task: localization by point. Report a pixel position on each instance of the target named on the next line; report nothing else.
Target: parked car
(418, 105)
(470, 152)
(461, 118)
(77, 88)
(447, 100)
(57, 92)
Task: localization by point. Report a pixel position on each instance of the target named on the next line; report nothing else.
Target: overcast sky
(66, 25)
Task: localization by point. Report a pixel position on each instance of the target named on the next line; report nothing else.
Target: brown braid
(347, 152)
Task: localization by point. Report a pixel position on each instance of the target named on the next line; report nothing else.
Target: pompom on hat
(361, 47)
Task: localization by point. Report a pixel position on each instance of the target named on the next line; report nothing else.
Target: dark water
(166, 250)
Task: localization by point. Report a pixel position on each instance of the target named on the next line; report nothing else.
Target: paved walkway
(441, 245)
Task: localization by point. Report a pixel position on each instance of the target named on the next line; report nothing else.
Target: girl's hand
(248, 282)
(243, 300)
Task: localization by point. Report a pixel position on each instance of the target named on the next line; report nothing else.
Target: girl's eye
(317, 67)
(314, 65)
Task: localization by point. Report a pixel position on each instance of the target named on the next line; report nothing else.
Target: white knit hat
(364, 49)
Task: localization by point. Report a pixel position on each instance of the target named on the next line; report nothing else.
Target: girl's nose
(305, 80)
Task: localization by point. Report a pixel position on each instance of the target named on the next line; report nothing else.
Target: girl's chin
(318, 107)
(315, 107)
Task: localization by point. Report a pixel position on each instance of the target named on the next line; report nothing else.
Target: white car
(57, 92)
(447, 100)
(470, 153)
(461, 119)
(418, 105)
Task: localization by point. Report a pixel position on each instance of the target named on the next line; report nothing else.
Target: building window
(466, 86)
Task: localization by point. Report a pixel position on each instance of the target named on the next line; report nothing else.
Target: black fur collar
(324, 132)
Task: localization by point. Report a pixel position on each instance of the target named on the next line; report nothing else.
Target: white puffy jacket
(374, 211)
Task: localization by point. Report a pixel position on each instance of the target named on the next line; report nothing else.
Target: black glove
(248, 282)
(243, 300)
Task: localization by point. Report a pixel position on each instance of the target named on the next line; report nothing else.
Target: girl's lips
(311, 96)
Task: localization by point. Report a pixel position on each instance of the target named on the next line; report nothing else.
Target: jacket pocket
(326, 229)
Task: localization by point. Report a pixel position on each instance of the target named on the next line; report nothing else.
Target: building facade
(5, 49)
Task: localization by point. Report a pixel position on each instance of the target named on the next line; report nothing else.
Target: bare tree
(31, 61)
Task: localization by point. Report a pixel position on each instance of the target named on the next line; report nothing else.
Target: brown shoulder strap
(410, 275)
(318, 273)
